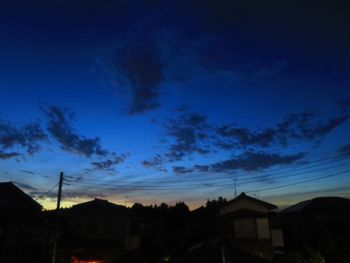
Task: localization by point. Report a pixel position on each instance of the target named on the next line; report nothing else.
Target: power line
(177, 187)
(190, 186)
(42, 195)
(282, 170)
(301, 182)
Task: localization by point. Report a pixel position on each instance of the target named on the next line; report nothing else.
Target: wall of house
(263, 228)
(260, 245)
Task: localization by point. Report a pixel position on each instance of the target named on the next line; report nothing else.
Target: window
(245, 228)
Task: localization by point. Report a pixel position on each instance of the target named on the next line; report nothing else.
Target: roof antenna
(235, 185)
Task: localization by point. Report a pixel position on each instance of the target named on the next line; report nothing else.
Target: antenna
(235, 185)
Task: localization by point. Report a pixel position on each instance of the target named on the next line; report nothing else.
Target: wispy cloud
(254, 161)
(182, 170)
(345, 149)
(60, 128)
(191, 135)
(153, 162)
(188, 133)
(8, 155)
(139, 64)
(28, 137)
(109, 163)
(295, 128)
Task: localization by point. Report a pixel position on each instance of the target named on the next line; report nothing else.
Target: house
(250, 225)
(97, 230)
(23, 231)
(321, 223)
(14, 201)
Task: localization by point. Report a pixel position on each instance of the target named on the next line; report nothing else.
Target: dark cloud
(303, 126)
(8, 155)
(139, 63)
(188, 133)
(345, 149)
(182, 170)
(253, 161)
(109, 163)
(59, 127)
(153, 162)
(27, 172)
(181, 108)
(244, 137)
(28, 137)
(295, 128)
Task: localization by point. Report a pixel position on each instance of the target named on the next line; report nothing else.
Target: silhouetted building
(249, 225)
(102, 229)
(23, 232)
(321, 223)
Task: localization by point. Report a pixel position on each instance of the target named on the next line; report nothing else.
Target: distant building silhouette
(321, 223)
(102, 229)
(23, 231)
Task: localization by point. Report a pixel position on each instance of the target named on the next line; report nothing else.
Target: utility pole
(56, 219)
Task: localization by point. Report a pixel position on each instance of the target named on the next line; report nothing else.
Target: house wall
(261, 245)
(263, 229)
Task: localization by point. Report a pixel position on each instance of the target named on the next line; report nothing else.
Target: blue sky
(154, 101)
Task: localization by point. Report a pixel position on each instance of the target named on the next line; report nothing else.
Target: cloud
(295, 128)
(181, 108)
(109, 163)
(153, 162)
(182, 170)
(242, 137)
(345, 149)
(27, 172)
(59, 127)
(8, 155)
(188, 133)
(254, 161)
(306, 127)
(139, 63)
(275, 68)
(28, 137)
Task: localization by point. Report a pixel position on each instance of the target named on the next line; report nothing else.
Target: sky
(156, 101)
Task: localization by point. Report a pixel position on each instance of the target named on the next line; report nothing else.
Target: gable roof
(98, 206)
(319, 203)
(14, 199)
(243, 196)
